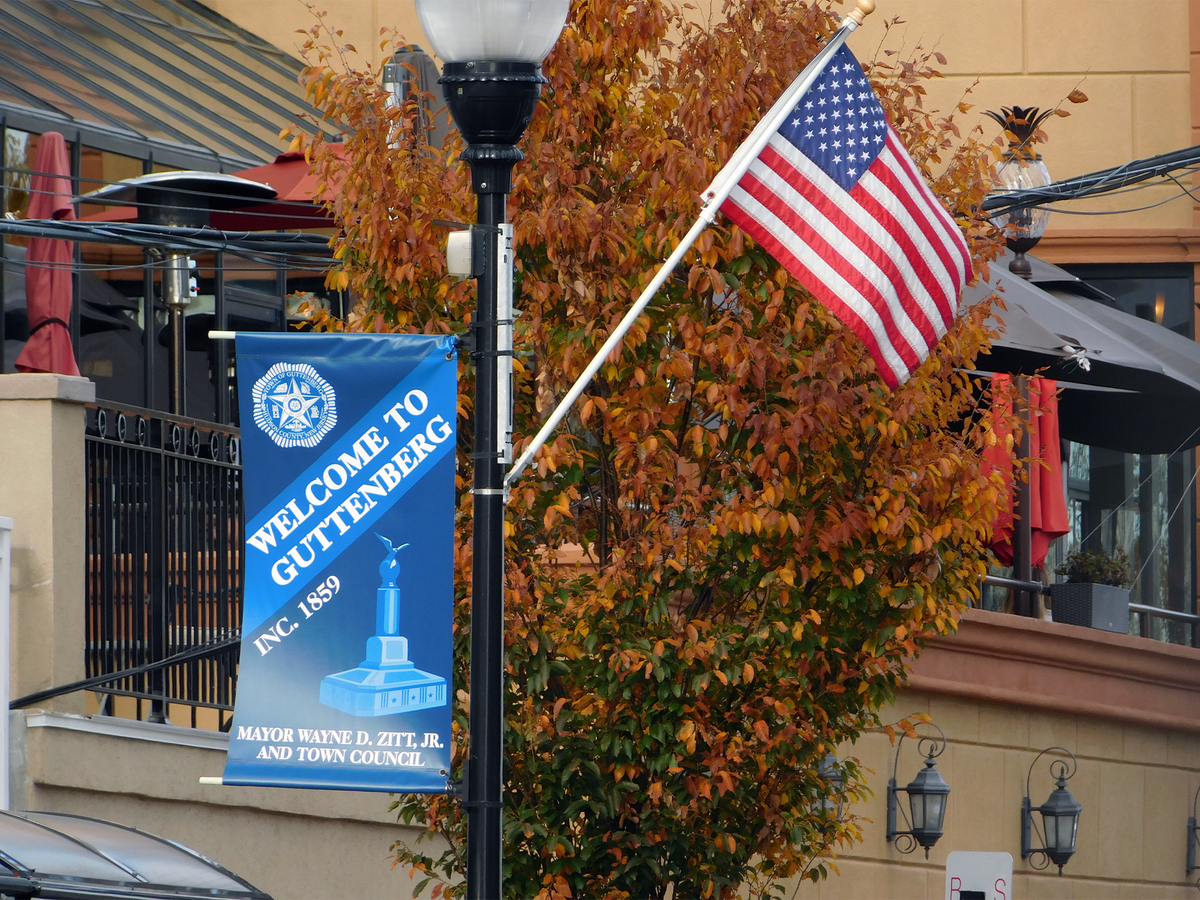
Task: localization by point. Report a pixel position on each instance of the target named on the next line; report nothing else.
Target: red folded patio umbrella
(48, 264)
(1048, 506)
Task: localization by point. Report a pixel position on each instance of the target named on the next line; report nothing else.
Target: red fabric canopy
(1048, 506)
(48, 264)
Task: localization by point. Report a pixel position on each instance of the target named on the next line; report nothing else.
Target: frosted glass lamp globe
(492, 30)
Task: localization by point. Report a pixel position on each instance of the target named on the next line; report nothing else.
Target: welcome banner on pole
(348, 471)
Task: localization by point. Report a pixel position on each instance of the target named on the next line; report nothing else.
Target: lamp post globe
(492, 52)
(504, 30)
(1024, 227)
(491, 78)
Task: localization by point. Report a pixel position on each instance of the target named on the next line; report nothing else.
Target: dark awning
(54, 855)
(169, 78)
(1128, 384)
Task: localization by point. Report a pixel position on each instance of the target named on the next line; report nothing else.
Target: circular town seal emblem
(294, 405)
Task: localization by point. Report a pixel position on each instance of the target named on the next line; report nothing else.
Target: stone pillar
(42, 490)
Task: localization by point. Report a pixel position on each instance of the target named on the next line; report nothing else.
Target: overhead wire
(1104, 181)
(292, 266)
(247, 243)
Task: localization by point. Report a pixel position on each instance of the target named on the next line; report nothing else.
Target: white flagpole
(716, 194)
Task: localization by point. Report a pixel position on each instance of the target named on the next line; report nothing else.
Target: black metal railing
(164, 558)
(1187, 624)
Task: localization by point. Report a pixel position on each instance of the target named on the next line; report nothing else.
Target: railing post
(43, 490)
(6, 526)
(157, 550)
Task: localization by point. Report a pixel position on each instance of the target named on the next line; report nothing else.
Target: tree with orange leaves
(768, 533)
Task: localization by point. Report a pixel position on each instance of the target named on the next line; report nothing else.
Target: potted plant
(1096, 593)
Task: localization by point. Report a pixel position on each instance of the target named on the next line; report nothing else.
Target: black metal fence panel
(164, 527)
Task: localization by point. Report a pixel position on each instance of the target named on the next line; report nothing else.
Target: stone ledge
(102, 756)
(130, 728)
(1009, 659)
(47, 386)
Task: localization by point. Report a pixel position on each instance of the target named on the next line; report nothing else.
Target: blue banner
(348, 471)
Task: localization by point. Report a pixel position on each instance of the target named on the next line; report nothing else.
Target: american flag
(837, 200)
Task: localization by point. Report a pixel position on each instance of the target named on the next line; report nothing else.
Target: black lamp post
(1019, 169)
(491, 79)
(927, 794)
(1060, 816)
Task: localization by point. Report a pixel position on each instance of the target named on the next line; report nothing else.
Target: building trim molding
(1009, 659)
(1134, 245)
(130, 729)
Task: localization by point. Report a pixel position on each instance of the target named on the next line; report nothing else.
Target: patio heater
(184, 199)
(491, 80)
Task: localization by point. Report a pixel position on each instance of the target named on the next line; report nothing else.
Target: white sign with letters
(979, 876)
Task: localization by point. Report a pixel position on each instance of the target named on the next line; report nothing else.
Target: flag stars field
(846, 211)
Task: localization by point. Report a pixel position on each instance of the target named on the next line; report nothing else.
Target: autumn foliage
(767, 532)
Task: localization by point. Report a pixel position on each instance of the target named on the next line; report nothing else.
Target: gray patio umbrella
(1128, 384)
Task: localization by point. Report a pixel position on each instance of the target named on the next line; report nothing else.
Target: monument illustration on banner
(386, 682)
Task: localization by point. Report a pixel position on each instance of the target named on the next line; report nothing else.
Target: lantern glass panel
(1060, 831)
(916, 803)
(928, 810)
(1014, 174)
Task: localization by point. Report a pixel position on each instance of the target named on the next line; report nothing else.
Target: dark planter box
(1091, 605)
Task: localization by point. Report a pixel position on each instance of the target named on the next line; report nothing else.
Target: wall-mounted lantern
(1020, 169)
(927, 794)
(1060, 816)
(830, 772)
(1193, 837)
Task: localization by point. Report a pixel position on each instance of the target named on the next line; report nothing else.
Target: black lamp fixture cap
(928, 780)
(492, 102)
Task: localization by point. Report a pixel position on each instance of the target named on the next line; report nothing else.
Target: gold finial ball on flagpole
(862, 9)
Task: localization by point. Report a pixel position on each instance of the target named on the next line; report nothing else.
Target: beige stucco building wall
(1131, 57)
(360, 21)
(1005, 688)
(1135, 784)
(293, 844)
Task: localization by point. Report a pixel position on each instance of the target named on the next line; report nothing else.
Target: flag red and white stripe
(837, 200)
